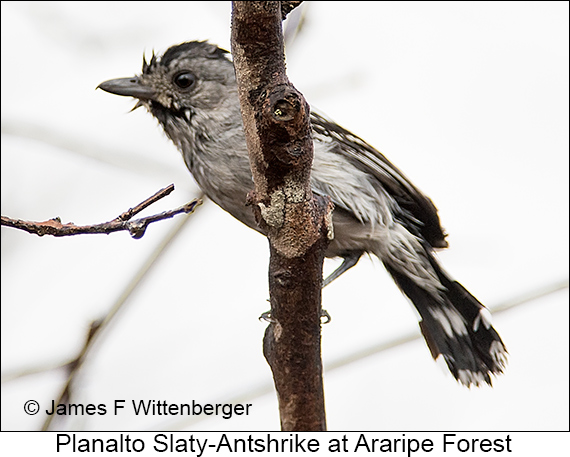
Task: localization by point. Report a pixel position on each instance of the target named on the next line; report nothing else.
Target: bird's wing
(364, 157)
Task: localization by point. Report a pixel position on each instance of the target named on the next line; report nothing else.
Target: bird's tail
(456, 327)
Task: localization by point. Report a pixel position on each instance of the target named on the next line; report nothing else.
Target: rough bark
(298, 224)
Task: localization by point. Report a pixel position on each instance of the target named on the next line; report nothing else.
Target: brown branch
(278, 134)
(136, 228)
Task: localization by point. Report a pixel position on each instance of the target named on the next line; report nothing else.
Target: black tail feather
(456, 326)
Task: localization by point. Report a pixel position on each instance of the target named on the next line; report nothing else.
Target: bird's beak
(129, 87)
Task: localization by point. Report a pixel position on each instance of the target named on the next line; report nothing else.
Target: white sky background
(470, 100)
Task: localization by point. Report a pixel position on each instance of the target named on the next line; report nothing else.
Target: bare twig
(136, 228)
(72, 367)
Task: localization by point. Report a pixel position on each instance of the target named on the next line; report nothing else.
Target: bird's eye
(185, 80)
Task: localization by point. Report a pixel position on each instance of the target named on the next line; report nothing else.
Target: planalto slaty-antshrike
(191, 90)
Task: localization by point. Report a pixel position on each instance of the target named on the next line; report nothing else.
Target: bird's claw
(266, 316)
(326, 316)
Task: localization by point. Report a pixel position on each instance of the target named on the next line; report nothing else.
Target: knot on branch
(286, 122)
(285, 109)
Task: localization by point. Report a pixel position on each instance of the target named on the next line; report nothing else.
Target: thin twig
(129, 214)
(136, 228)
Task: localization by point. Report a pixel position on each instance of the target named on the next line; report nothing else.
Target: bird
(191, 90)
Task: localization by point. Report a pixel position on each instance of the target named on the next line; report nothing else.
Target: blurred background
(469, 99)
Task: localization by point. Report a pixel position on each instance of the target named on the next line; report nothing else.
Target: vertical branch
(278, 133)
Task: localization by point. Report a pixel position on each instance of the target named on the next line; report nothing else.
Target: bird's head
(188, 78)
